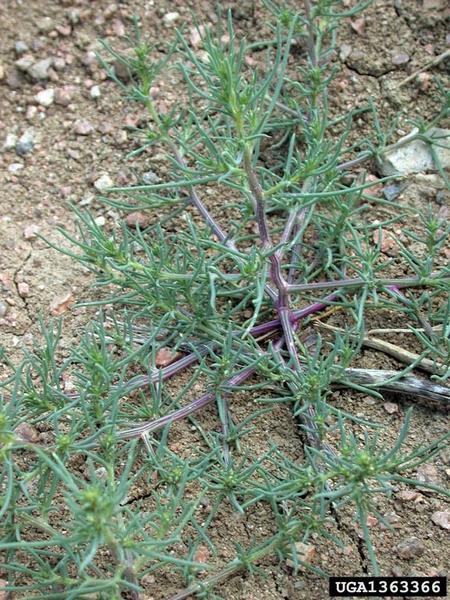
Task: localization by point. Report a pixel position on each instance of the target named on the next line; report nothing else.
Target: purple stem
(185, 411)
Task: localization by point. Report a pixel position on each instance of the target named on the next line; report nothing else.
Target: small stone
(408, 496)
(415, 156)
(31, 112)
(103, 183)
(170, 18)
(30, 231)
(3, 309)
(73, 15)
(95, 92)
(305, 553)
(423, 81)
(64, 30)
(101, 473)
(390, 407)
(45, 24)
(39, 70)
(164, 357)
(344, 51)
(390, 192)
(24, 63)
(121, 71)
(15, 167)
(87, 200)
(2, 72)
(359, 25)
(20, 47)
(137, 219)
(441, 518)
(45, 97)
(14, 79)
(118, 28)
(428, 474)
(371, 521)
(10, 142)
(150, 177)
(23, 289)
(400, 58)
(83, 127)
(410, 548)
(60, 304)
(59, 63)
(26, 142)
(63, 96)
(27, 433)
(100, 221)
(195, 36)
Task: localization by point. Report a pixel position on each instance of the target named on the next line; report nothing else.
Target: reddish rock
(137, 219)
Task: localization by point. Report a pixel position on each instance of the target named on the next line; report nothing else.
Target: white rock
(46, 97)
(95, 92)
(10, 141)
(170, 18)
(100, 221)
(416, 156)
(103, 183)
(39, 70)
(15, 167)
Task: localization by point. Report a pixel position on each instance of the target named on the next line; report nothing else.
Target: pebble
(95, 92)
(150, 177)
(23, 289)
(10, 142)
(39, 70)
(14, 79)
(304, 552)
(390, 192)
(24, 63)
(121, 71)
(26, 142)
(100, 221)
(2, 72)
(344, 51)
(60, 304)
(400, 58)
(15, 167)
(31, 112)
(390, 407)
(170, 18)
(74, 15)
(20, 47)
(103, 183)
(45, 97)
(137, 219)
(45, 24)
(87, 200)
(164, 357)
(428, 474)
(410, 548)
(30, 231)
(27, 433)
(63, 96)
(416, 157)
(64, 30)
(83, 127)
(3, 309)
(441, 518)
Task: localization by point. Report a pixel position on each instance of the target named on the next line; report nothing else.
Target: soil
(395, 38)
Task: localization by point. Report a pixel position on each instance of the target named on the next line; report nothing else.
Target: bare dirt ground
(86, 131)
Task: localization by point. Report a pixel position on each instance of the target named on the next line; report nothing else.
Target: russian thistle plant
(229, 288)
